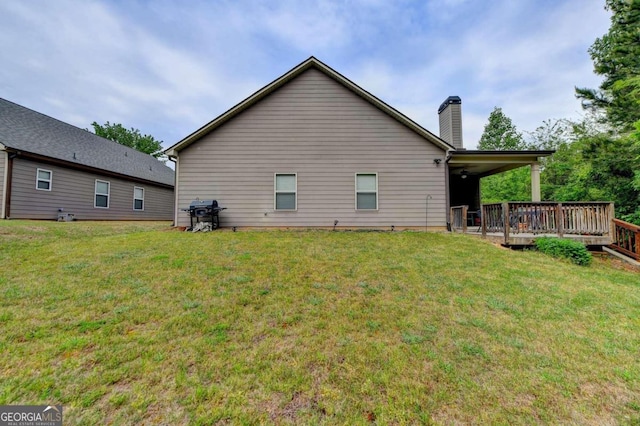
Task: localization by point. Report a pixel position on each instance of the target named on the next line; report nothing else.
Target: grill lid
(198, 204)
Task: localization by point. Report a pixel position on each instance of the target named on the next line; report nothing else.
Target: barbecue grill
(204, 211)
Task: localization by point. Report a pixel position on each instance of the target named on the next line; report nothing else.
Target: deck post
(505, 221)
(452, 219)
(560, 219)
(483, 218)
(612, 225)
(465, 209)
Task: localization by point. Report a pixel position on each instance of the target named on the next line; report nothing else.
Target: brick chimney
(450, 114)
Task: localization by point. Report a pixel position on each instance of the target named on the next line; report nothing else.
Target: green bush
(575, 251)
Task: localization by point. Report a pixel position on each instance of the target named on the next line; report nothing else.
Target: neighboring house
(48, 167)
(313, 149)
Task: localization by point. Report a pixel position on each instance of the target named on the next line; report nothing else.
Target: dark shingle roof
(30, 131)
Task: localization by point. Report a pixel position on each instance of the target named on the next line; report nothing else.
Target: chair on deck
(474, 218)
(477, 220)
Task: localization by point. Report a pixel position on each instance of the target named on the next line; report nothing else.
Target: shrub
(575, 251)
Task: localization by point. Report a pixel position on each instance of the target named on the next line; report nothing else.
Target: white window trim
(95, 193)
(365, 192)
(134, 198)
(44, 180)
(275, 191)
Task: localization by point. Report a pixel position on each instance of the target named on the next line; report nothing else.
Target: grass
(134, 323)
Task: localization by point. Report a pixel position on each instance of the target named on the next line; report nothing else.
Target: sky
(169, 67)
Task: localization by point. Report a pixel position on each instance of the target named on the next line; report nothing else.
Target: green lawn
(127, 323)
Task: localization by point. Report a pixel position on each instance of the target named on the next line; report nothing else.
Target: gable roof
(312, 62)
(26, 131)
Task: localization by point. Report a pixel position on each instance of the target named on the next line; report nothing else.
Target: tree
(512, 185)
(610, 161)
(129, 137)
(616, 56)
(550, 135)
(635, 138)
(500, 133)
(592, 165)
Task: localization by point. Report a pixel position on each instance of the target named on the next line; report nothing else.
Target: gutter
(448, 157)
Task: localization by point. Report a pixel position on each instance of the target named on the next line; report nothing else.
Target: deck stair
(626, 240)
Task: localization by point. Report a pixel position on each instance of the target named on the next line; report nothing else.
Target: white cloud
(297, 24)
(168, 68)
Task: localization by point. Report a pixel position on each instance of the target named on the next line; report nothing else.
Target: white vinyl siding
(44, 179)
(366, 191)
(102, 194)
(138, 198)
(285, 197)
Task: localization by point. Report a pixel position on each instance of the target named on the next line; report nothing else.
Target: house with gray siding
(48, 168)
(313, 149)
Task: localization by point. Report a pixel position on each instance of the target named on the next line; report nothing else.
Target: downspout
(4, 186)
(447, 192)
(174, 159)
(8, 178)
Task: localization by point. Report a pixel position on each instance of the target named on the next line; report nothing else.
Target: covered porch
(519, 223)
(466, 168)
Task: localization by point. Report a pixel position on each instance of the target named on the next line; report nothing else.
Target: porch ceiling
(487, 163)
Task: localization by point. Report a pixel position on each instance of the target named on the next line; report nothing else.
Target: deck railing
(575, 218)
(627, 238)
(458, 218)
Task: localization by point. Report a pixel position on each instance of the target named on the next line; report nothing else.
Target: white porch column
(535, 182)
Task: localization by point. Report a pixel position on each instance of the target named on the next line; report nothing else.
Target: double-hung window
(286, 187)
(138, 198)
(366, 191)
(102, 194)
(43, 179)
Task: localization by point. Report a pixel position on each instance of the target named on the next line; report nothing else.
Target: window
(366, 191)
(43, 179)
(138, 198)
(285, 193)
(102, 194)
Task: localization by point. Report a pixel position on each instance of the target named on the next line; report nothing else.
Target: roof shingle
(30, 131)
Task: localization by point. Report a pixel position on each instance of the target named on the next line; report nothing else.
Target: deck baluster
(519, 223)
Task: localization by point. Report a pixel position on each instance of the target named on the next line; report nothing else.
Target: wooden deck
(528, 239)
(520, 223)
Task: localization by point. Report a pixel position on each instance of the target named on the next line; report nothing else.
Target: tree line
(598, 157)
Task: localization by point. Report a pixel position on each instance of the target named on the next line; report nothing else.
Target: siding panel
(73, 191)
(315, 127)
